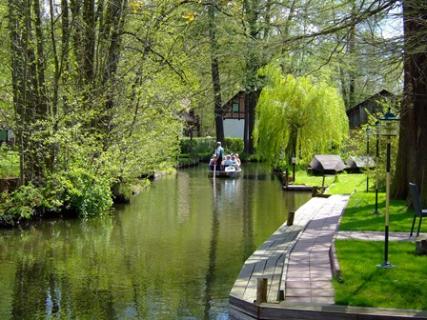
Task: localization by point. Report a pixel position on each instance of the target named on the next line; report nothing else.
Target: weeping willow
(297, 117)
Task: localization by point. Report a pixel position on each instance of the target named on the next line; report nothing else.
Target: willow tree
(298, 117)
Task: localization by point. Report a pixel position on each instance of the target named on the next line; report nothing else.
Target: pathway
(376, 236)
(309, 275)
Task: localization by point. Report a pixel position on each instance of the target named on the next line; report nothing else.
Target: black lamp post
(368, 133)
(377, 161)
(388, 128)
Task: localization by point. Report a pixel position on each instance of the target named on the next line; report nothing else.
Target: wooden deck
(268, 261)
(296, 262)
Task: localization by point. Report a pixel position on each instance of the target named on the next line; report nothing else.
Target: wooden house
(234, 116)
(357, 115)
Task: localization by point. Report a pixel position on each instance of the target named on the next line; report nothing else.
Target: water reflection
(174, 253)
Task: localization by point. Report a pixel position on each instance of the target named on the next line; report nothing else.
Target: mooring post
(261, 290)
(291, 216)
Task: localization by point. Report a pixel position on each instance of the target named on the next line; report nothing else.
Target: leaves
(313, 110)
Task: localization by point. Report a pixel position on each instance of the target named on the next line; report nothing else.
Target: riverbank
(359, 284)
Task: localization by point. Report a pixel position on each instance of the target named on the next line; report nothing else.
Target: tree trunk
(412, 153)
(219, 124)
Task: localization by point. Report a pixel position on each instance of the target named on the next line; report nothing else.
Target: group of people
(220, 161)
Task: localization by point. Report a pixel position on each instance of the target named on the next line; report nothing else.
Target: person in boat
(219, 154)
(236, 163)
(212, 162)
(237, 159)
(228, 161)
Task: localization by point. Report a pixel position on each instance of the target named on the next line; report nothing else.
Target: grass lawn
(359, 214)
(404, 286)
(341, 183)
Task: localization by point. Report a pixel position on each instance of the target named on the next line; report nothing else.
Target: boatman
(219, 153)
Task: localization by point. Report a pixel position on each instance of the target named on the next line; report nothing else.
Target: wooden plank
(250, 292)
(242, 281)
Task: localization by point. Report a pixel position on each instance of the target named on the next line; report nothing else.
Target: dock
(291, 273)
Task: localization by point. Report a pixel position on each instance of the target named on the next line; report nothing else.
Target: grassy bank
(404, 286)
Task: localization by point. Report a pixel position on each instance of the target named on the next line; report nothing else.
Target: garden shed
(326, 164)
(357, 164)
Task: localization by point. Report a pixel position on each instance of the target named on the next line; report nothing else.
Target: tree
(411, 163)
(298, 117)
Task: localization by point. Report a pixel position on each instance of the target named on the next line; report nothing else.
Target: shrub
(203, 147)
(80, 191)
(233, 145)
(22, 203)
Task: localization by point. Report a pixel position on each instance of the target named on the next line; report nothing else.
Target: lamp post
(388, 128)
(368, 133)
(377, 160)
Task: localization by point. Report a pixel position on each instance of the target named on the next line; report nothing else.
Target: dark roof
(328, 162)
(361, 162)
(382, 94)
(235, 96)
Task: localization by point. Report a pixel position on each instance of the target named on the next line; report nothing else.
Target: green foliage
(404, 286)
(80, 191)
(9, 163)
(198, 147)
(233, 145)
(22, 203)
(309, 115)
(77, 191)
(203, 147)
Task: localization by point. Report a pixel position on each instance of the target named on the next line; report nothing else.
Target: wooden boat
(228, 172)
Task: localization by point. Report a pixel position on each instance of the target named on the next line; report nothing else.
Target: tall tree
(412, 153)
(216, 82)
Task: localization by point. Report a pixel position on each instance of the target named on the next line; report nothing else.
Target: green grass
(302, 177)
(404, 286)
(9, 163)
(339, 184)
(359, 214)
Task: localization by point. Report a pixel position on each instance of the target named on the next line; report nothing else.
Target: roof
(361, 162)
(329, 162)
(382, 94)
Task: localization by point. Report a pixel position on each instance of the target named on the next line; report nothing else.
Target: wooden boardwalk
(296, 261)
(268, 261)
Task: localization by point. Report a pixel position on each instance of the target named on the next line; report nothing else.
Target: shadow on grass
(360, 215)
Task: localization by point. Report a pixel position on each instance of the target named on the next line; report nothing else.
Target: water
(173, 253)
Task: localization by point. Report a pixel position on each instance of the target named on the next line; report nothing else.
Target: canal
(173, 253)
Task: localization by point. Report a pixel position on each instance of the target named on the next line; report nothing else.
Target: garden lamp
(388, 127)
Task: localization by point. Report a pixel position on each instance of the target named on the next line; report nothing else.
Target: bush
(80, 191)
(77, 191)
(233, 145)
(198, 146)
(22, 203)
(203, 147)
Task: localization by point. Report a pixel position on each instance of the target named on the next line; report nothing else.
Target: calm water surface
(173, 253)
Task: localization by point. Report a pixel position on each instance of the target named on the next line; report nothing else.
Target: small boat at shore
(228, 172)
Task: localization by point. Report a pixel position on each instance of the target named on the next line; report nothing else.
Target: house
(357, 115)
(234, 116)
(6, 136)
(322, 164)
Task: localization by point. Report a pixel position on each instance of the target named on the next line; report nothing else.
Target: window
(236, 107)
